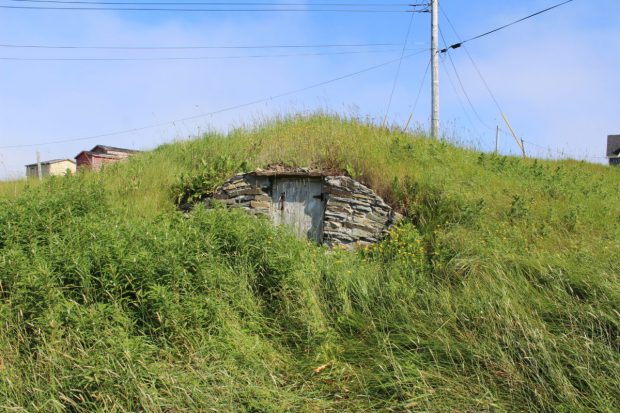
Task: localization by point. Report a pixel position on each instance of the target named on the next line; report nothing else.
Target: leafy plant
(192, 188)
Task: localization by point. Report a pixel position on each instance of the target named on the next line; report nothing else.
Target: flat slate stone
(354, 215)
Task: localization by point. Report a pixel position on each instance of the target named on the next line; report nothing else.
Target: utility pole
(496, 139)
(39, 175)
(435, 68)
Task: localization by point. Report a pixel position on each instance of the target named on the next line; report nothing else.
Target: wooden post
(497, 139)
(514, 135)
(39, 174)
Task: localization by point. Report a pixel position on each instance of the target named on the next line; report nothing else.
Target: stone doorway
(326, 208)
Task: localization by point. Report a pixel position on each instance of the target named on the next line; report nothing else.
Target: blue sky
(555, 76)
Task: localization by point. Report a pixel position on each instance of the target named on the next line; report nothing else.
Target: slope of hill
(499, 293)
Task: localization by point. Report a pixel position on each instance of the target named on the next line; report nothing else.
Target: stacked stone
(354, 214)
(238, 192)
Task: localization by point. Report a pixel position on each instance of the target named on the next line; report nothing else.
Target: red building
(101, 155)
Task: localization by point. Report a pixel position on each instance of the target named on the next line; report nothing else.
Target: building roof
(98, 155)
(97, 151)
(613, 146)
(112, 148)
(51, 162)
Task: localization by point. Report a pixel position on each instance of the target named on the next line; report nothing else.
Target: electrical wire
(562, 153)
(482, 78)
(211, 3)
(285, 46)
(222, 110)
(456, 93)
(462, 86)
(387, 110)
(186, 58)
(417, 99)
(457, 45)
(471, 59)
(210, 10)
(519, 141)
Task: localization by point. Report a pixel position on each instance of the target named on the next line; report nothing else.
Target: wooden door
(299, 204)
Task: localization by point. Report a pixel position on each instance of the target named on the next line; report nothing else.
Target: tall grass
(499, 293)
(13, 188)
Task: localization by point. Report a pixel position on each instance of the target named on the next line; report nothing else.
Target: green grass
(499, 293)
(12, 189)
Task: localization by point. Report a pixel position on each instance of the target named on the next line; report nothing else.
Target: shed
(613, 149)
(50, 168)
(101, 155)
(329, 209)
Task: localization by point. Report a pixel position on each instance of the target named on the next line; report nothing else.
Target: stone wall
(352, 214)
(243, 191)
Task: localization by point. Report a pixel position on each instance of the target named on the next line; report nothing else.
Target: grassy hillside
(500, 292)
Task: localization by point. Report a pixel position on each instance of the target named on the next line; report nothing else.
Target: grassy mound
(499, 293)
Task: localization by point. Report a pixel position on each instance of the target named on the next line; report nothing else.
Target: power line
(281, 46)
(562, 153)
(185, 58)
(387, 110)
(469, 101)
(226, 109)
(471, 105)
(211, 10)
(458, 77)
(457, 45)
(519, 140)
(471, 59)
(415, 104)
(456, 93)
(211, 3)
(485, 82)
